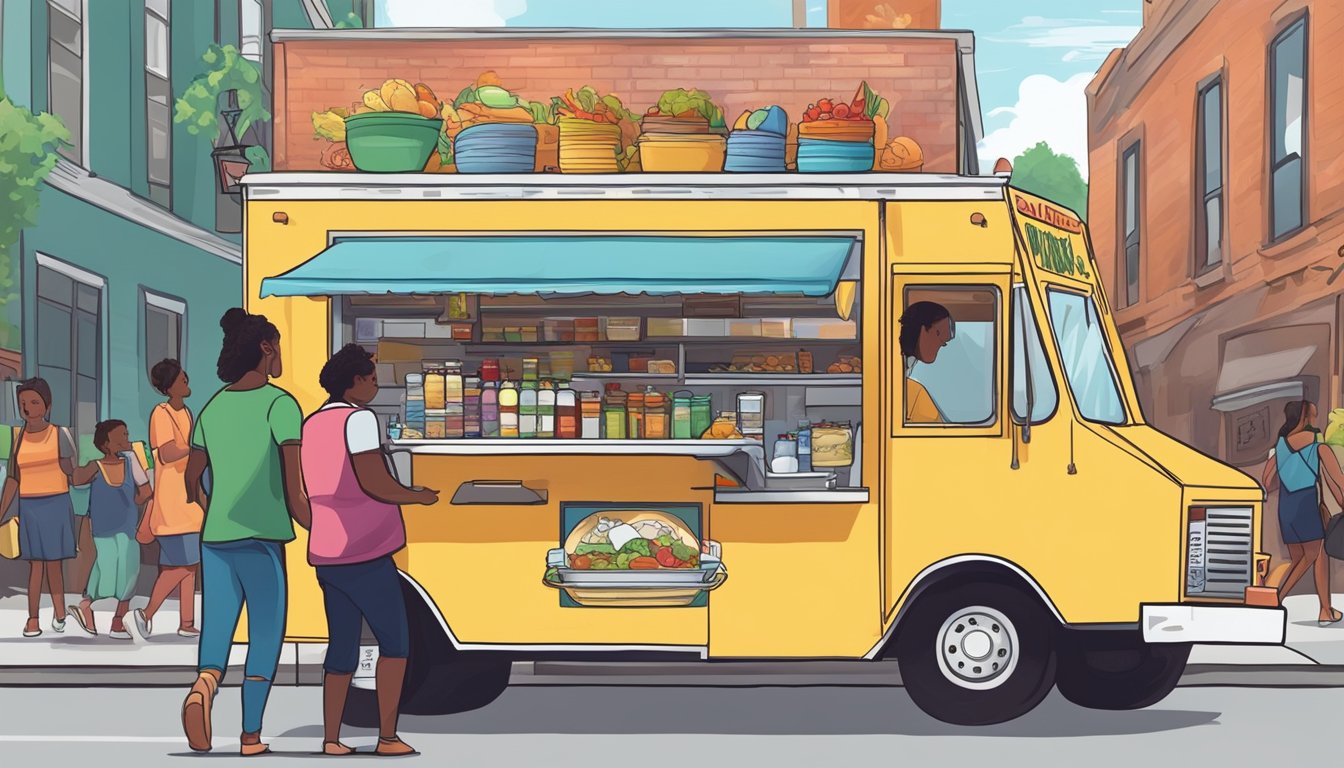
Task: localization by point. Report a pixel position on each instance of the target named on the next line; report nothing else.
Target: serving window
(949, 343)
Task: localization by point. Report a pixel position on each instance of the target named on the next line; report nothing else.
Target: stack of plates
(755, 152)
(827, 156)
(496, 148)
(589, 147)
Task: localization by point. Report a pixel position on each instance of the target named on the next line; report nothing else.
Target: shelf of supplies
(776, 379)
(747, 340)
(580, 375)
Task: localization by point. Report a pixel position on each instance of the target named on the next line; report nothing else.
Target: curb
(686, 674)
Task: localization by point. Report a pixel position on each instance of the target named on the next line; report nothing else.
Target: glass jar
(590, 415)
(471, 408)
(751, 415)
(490, 370)
(546, 409)
(702, 415)
(832, 445)
(415, 402)
(527, 410)
(634, 409)
(681, 415)
(656, 413)
(490, 409)
(566, 413)
(508, 410)
(614, 413)
(785, 456)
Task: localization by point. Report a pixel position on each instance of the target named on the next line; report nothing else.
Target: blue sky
(1033, 57)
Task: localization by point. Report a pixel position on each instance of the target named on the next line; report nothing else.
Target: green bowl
(391, 142)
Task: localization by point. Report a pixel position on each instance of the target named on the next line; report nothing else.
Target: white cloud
(452, 13)
(1082, 39)
(1046, 110)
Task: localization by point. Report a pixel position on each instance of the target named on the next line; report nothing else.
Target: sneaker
(196, 712)
(189, 632)
(119, 634)
(143, 624)
(57, 625)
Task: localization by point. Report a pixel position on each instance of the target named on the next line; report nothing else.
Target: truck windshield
(1085, 356)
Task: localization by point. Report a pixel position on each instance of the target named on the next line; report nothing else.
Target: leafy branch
(225, 70)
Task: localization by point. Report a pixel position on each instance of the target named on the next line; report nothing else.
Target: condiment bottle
(613, 413)
(471, 405)
(546, 409)
(786, 455)
(702, 415)
(590, 407)
(804, 445)
(566, 413)
(681, 415)
(508, 410)
(527, 410)
(655, 415)
(454, 408)
(635, 414)
(490, 408)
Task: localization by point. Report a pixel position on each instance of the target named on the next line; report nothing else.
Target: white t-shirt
(136, 472)
(362, 433)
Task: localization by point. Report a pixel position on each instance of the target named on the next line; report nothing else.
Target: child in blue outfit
(118, 489)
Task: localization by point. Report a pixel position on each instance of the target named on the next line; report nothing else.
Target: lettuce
(637, 547)
(589, 549)
(680, 100)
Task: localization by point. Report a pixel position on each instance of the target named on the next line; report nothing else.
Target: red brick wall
(918, 77)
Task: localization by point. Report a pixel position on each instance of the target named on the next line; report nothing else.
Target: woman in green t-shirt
(248, 436)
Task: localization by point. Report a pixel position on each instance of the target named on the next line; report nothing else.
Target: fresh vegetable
(330, 125)
(486, 101)
(683, 552)
(594, 549)
(643, 563)
(637, 547)
(873, 105)
(683, 103)
(865, 106)
(588, 104)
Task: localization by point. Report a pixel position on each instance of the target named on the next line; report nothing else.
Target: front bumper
(1213, 624)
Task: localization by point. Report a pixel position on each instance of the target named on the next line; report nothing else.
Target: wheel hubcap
(977, 648)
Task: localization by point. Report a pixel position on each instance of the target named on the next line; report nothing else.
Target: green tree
(28, 144)
(1041, 171)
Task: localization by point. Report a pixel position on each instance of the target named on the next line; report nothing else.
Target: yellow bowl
(682, 154)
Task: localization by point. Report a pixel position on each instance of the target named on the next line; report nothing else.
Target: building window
(158, 101)
(251, 45)
(163, 329)
(1209, 172)
(70, 345)
(1288, 130)
(65, 71)
(1131, 217)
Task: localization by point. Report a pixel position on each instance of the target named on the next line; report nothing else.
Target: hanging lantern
(231, 161)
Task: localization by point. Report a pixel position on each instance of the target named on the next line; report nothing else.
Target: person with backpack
(1298, 463)
(40, 465)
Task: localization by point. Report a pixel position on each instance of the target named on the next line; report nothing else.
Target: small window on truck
(1033, 383)
(1088, 363)
(959, 387)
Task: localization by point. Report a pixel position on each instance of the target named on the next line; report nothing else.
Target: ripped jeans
(235, 573)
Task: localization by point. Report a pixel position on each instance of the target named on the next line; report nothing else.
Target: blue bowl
(754, 152)
(826, 156)
(496, 148)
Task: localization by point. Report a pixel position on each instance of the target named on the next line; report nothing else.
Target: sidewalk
(1313, 655)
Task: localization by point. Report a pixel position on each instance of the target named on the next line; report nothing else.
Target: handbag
(1334, 524)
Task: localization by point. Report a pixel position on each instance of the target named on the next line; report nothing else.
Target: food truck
(667, 417)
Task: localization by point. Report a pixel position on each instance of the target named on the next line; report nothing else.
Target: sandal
(336, 749)
(394, 747)
(32, 629)
(196, 712)
(86, 623)
(1335, 617)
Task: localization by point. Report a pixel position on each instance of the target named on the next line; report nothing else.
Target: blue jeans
(235, 573)
(363, 592)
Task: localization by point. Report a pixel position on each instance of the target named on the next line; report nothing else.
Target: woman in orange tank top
(40, 465)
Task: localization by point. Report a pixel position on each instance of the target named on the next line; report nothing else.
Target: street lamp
(231, 160)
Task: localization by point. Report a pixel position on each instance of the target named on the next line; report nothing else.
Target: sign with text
(1053, 236)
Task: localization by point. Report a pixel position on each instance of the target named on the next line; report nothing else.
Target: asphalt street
(560, 726)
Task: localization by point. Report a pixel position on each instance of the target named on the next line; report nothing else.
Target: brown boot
(196, 710)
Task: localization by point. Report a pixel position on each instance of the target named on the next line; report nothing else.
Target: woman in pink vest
(356, 527)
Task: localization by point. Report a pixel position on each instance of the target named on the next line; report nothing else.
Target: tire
(440, 680)
(977, 653)
(1117, 670)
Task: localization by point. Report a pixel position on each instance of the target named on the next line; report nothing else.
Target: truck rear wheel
(440, 680)
(1117, 670)
(977, 653)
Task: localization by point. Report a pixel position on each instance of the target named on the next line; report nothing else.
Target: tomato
(813, 112)
(825, 105)
(643, 563)
(581, 562)
(665, 558)
(841, 111)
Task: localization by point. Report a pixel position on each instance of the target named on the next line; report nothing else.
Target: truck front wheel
(977, 653)
(1103, 669)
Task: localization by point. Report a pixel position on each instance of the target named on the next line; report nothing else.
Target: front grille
(1229, 551)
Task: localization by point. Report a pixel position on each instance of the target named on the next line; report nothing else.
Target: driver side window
(949, 346)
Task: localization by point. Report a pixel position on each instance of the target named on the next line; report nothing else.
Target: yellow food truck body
(994, 552)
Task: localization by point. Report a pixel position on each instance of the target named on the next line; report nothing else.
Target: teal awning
(633, 264)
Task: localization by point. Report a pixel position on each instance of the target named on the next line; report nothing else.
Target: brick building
(927, 76)
(1217, 192)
